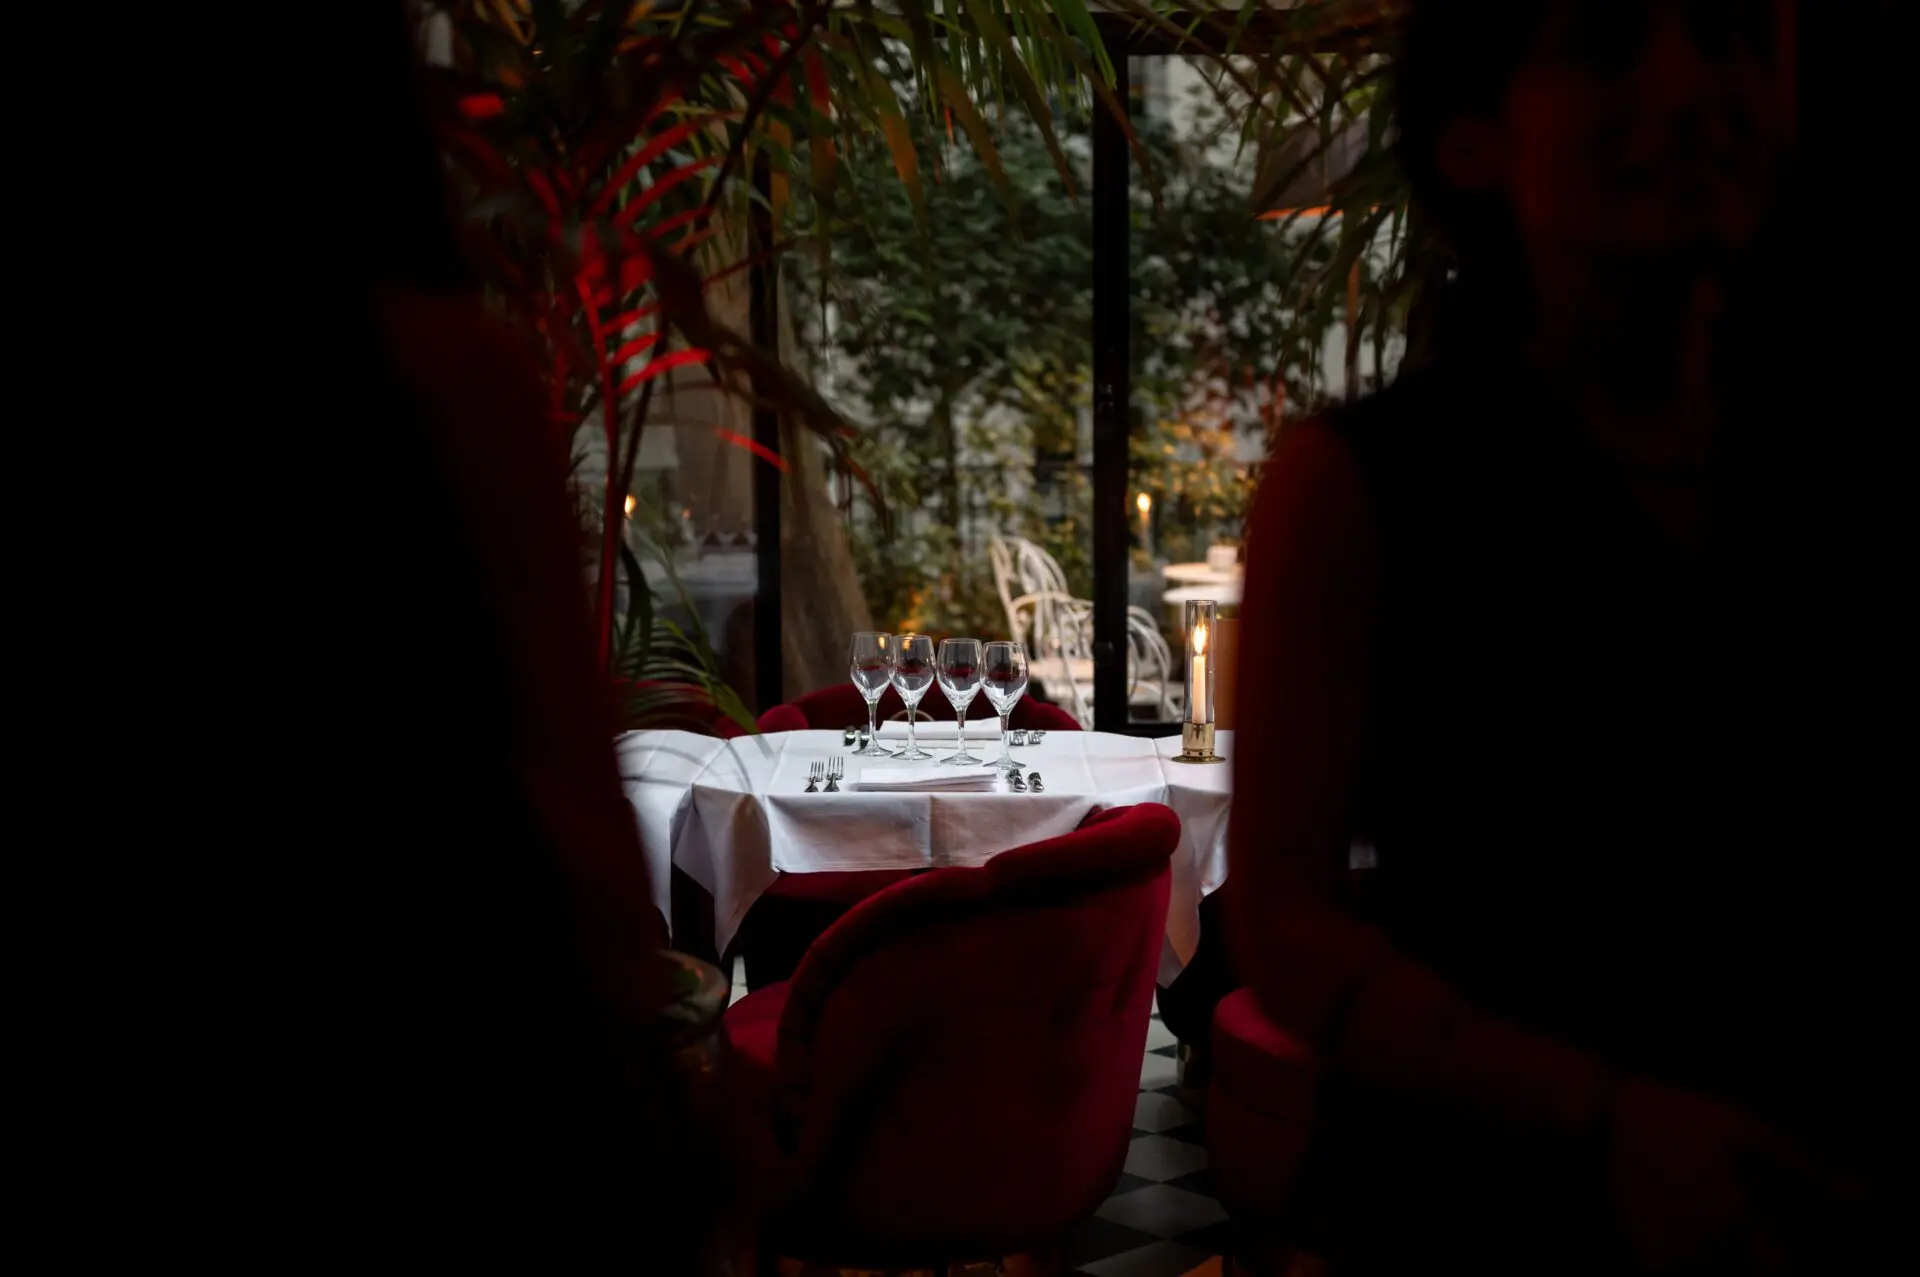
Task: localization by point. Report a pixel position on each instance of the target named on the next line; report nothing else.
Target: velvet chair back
(958, 1058)
(841, 705)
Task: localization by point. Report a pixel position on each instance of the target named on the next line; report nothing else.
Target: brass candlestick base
(1196, 744)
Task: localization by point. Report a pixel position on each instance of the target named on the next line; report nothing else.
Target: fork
(815, 770)
(836, 768)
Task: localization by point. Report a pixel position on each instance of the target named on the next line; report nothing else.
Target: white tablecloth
(733, 815)
(1203, 574)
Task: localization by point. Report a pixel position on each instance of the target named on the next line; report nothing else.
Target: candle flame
(629, 505)
(1144, 501)
(1200, 639)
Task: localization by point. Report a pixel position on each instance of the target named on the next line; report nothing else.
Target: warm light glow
(1145, 502)
(629, 505)
(1200, 639)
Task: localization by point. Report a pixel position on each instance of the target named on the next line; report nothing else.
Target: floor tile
(1126, 1184)
(1194, 1132)
(1098, 1239)
(1159, 1159)
(1153, 1112)
(1169, 1049)
(1215, 1239)
(1162, 1211)
(1200, 1181)
(1157, 1071)
(1159, 1034)
(1162, 1259)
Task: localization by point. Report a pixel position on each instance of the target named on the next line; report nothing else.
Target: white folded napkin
(977, 729)
(883, 779)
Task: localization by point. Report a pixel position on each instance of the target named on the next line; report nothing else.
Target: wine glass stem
(913, 738)
(1006, 752)
(960, 711)
(873, 730)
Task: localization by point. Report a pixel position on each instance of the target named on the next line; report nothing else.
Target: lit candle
(629, 505)
(1197, 696)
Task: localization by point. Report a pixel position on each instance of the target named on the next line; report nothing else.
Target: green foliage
(667, 672)
(600, 148)
(1225, 347)
(959, 342)
(963, 347)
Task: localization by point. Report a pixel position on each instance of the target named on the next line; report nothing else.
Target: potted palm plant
(607, 152)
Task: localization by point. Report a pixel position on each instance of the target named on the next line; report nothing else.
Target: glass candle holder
(1196, 732)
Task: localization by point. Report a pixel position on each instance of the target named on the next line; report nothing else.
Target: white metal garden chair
(1057, 629)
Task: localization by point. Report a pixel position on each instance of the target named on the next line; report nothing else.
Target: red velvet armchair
(951, 1073)
(1259, 1116)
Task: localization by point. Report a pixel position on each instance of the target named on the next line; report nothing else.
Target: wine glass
(1005, 680)
(959, 672)
(871, 662)
(912, 676)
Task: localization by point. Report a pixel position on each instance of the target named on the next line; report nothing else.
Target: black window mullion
(1112, 408)
(763, 310)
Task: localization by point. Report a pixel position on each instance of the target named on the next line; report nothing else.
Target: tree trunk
(821, 602)
(1352, 368)
(949, 436)
(821, 599)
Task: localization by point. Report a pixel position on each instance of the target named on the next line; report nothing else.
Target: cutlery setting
(825, 774)
(856, 736)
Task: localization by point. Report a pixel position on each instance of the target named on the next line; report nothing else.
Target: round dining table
(1202, 574)
(1202, 581)
(735, 814)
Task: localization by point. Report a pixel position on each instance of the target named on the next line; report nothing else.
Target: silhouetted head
(1610, 132)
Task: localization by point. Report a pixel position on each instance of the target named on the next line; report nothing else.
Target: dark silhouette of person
(1526, 622)
(434, 822)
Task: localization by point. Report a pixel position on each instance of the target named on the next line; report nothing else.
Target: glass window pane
(960, 352)
(691, 518)
(1236, 333)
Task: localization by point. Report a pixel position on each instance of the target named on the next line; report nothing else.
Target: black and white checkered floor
(1161, 1219)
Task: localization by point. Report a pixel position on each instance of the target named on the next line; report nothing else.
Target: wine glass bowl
(913, 674)
(960, 673)
(870, 664)
(1004, 679)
